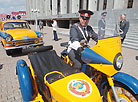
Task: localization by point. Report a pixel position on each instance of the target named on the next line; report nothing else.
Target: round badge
(79, 88)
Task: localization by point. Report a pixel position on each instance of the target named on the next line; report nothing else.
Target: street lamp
(35, 11)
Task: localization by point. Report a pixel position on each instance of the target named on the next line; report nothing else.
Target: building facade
(66, 11)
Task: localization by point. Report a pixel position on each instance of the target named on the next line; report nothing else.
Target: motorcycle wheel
(125, 94)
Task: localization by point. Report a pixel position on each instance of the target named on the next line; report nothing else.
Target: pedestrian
(124, 26)
(54, 25)
(80, 31)
(41, 25)
(102, 25)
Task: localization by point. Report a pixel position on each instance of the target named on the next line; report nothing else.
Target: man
(54, 25)
(124, 26)
(78, 32)
(101, 26)
(40, 25)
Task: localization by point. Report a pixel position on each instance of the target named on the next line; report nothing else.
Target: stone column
(69, 6)
(47, 4)
(75, 6)
(84, 3)
(120, 4)
(27, 8)
(135, 4)
(54, 7)
(63, 4)
(41, 6)
(92, 5)
(32, 4)
(44, 11)
(101, 3)
(110, 4)
(45, 7)
(38, 7)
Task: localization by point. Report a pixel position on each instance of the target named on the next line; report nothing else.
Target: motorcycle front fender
(127, 80)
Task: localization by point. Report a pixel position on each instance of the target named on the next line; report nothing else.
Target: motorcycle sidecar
(49, 79)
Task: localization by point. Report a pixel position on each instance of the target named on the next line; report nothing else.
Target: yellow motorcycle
(104, 61)
(47, 78)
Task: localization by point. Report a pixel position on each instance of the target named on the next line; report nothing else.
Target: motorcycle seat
(48, 61)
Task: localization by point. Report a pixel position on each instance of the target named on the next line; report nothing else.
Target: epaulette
(76, 24)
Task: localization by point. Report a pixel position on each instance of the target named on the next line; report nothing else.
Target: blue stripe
(91, 57)
(4, 35)
(37, 33)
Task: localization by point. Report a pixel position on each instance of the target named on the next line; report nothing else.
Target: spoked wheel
(124, 94)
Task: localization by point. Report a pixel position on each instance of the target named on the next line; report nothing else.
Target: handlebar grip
(38, 49)
(65, 44)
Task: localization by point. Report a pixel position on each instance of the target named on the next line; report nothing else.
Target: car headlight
(8, 38)
(41, 35)
(118, 61)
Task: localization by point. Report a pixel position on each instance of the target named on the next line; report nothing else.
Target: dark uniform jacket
(101, 27)
(76, 34)
(124, 26)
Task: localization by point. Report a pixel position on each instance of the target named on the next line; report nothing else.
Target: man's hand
(121, 38)
(83, 42)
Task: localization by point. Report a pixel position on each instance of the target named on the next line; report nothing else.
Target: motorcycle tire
(125, 94)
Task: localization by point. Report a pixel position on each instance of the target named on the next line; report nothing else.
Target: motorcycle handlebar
(64, 44)
(37, 49)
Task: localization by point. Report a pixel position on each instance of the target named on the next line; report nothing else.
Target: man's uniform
(124, 26)
(101, 26)
(77, 34)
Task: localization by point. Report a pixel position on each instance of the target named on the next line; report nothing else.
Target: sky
(8, 6)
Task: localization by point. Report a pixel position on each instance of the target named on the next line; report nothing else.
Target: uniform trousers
(75, 58)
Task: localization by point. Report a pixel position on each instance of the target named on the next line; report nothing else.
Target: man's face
(84, 22)
(123, 17)
(103, 16)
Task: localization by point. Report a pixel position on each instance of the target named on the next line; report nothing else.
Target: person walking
(41, 25)
(124, 26)
(80, 31)
(101, 26)
(54, 25)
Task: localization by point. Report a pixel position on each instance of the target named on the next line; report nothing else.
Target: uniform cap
(104, 13)
(85, 14)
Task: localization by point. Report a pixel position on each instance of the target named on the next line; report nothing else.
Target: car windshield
(16, 25)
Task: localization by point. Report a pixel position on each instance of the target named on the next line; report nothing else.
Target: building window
(130, 4)
(81, 4)
(68, 6)
(104, 4)
(87, 4)
(58, 6)
(50, 4)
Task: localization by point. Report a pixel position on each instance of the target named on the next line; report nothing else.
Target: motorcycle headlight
(41, 35)
(8, 38)
(118, 61)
